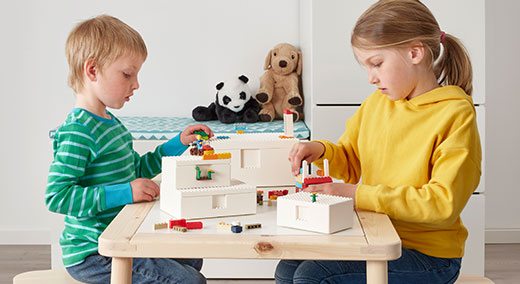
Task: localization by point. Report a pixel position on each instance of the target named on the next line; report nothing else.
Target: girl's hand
(309, 151)
(187, 136)
(144, 189)
(340, 189)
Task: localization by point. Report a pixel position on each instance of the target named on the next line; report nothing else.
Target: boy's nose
(136, 85)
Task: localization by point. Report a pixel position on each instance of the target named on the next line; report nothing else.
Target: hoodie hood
(440, 94)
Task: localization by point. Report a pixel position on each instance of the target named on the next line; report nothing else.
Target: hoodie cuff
(118, 195)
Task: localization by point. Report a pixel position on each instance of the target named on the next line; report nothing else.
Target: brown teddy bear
(280, 84)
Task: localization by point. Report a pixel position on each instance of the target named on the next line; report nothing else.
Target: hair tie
(443, 37)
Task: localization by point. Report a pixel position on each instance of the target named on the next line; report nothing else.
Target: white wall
(502, 121)
(192, 46)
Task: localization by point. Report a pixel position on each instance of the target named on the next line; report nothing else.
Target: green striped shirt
(89, 178)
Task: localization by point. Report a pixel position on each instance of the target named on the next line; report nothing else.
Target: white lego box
(258, 158)
(192, 187)
(328, 214)
(206, 202)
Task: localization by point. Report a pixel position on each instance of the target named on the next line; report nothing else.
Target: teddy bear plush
(280, 83)
(233, 103)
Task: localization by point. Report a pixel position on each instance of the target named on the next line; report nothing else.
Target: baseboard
(25, 237)
(502, 236)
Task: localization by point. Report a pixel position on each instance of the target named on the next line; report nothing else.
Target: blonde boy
(95, 171)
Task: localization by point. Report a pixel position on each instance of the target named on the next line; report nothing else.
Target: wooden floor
(502, 263)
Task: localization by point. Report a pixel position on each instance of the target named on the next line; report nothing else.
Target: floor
(502, 263)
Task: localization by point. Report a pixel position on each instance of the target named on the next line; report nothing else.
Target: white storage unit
(334, 84)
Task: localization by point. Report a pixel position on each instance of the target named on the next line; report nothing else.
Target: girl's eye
(126, 75)
(377, 65)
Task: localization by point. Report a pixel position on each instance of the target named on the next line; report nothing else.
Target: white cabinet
(334, 84)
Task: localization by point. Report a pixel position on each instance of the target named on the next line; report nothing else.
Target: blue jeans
(97, 268)
(411, 267)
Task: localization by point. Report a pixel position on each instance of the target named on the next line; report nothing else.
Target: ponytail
(453, 67)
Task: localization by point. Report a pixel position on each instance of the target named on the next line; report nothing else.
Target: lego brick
(180, 229)
(328, 214)
(178, 223)
(252, 226)
(236, 229)
(224, 226)
(193, 225)
(160, 226)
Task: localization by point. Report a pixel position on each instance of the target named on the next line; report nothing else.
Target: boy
(95, 171)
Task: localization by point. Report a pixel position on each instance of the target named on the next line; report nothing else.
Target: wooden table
(131, 235)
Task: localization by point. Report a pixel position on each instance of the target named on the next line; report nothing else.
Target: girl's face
(392, 70)
(118, 81)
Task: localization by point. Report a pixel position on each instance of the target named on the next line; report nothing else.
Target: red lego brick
(177, 223)
(193, 225)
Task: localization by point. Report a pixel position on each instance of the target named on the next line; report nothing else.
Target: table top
(131, 234)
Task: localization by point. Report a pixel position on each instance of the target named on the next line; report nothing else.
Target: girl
(413, 142)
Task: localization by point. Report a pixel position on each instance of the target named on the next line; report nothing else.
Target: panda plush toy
(233, 103)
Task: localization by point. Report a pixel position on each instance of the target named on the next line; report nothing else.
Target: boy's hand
(309, 151)
(187, 136)
(339, 189)
(144, 189)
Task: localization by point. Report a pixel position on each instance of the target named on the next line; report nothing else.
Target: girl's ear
(416, 53)
(90, 70)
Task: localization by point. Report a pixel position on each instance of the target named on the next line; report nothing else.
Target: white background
(192, 46)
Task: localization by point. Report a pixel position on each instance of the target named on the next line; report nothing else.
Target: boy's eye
(126, 75)
(377, 65)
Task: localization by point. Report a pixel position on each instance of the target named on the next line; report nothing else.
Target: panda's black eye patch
(242, 95)
(226, 100)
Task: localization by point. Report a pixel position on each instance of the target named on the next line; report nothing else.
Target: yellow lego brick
(159, 226)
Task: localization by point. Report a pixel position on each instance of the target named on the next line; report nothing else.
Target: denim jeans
(411, 267)
(96, 269)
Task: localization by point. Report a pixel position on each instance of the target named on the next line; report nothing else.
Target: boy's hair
(103, 39)
(395, 23)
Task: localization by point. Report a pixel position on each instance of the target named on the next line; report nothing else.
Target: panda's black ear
(243, 79)
(220, 85)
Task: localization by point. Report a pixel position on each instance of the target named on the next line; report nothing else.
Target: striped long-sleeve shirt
(89, 179)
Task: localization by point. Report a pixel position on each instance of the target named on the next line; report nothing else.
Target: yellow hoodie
(419, 161)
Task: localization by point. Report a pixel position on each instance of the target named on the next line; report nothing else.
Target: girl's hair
(103, 39)
(396, 23)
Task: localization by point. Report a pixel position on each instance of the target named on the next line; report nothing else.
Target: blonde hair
(396, 23)
(103, 39)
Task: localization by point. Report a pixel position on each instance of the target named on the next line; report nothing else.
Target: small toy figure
(260, 197)
(313, 197)
(198, 175)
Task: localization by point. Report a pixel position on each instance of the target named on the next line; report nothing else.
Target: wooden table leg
(377, 272)
(121, 270)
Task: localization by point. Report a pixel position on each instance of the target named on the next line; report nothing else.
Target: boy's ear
(90, 70)
(417, 53)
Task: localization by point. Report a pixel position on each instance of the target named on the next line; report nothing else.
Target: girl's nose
(372, 79)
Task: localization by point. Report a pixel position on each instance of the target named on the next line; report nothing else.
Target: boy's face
(390, 69)
(118, 81)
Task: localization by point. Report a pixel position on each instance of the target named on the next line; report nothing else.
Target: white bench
(54, 276)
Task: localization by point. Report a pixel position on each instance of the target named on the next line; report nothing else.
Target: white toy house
(193, 187)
